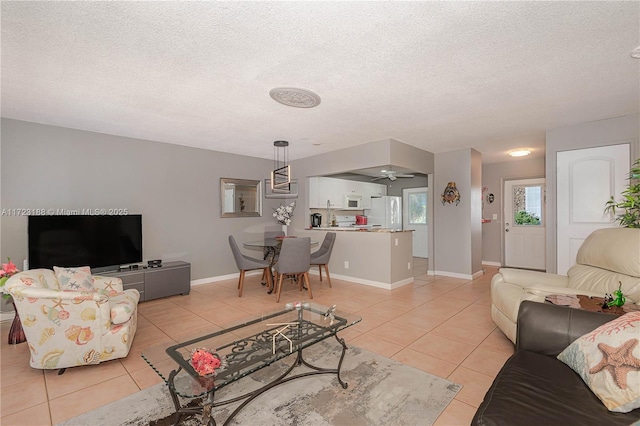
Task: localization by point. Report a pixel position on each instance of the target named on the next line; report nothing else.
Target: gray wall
(458, 229)
(493, 176)
(612, 131)
(475, 216)
(372, 154)
(396, 187)
(175, 188)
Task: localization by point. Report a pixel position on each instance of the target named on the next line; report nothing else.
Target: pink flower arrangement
(8, 269)
(205, 362)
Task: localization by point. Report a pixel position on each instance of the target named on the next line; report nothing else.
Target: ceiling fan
(392, 175)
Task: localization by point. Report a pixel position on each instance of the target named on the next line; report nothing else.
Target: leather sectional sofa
(534, 387)
(606, 258)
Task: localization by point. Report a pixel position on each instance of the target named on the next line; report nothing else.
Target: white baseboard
(222, 278)
(477, 274)
(489, 263)
(377, 284)
(371, 283)
(455, 275)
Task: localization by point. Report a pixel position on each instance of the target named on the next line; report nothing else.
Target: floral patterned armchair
(71, 318)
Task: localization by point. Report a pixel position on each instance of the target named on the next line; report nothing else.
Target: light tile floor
(437, 324)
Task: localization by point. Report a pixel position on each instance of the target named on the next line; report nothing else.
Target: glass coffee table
(246, 347)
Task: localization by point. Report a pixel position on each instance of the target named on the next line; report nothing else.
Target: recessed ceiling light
(520, 153)
(294, 97)
(635, 53)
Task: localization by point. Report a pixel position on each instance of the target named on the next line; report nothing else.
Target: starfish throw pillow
(608, 360)
(74, 279)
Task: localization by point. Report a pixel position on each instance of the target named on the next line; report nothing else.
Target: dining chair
(322, 255)
(295, 259)
(246, 263)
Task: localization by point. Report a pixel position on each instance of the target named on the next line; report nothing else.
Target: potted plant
(16, 332)
(630, 202)
(7, 271)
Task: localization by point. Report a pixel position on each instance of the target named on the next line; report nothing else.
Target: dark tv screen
(84, 240)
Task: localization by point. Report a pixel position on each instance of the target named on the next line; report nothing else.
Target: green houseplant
(630, 202)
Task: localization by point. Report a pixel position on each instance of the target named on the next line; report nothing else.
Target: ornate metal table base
(208, 404)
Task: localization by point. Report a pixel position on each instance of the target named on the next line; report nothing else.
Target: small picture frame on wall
(278, 193)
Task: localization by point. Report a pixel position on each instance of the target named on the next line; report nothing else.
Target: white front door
(414, 217)
(524, 227)
(586, 180)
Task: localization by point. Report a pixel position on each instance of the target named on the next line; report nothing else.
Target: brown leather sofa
(535, 388)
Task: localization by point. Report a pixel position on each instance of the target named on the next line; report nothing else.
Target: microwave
(353, 201)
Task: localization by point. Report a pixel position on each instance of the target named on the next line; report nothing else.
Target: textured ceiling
(440, 76)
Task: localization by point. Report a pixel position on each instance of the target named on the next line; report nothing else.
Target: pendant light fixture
(281, 174)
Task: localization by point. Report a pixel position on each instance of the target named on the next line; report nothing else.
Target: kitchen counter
(356, 228)
(379, 257)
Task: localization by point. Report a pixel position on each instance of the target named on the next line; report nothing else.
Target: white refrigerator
(386, 212)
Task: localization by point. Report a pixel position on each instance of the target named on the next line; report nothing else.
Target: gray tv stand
(170, 279)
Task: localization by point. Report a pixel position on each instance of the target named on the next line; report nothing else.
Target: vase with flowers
(16, 333)
(283, 214)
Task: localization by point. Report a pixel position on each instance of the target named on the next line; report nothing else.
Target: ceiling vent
(294, 97)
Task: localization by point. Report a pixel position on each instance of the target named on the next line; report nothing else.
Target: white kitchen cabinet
(323, 189)
(313, 193)
(332, 190)
(370, 189)
(352, 186)
(378, 190)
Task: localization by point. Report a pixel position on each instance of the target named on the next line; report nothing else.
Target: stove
(345, 221)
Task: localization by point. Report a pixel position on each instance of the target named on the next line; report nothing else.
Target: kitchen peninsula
(373, 256)
(356, 228)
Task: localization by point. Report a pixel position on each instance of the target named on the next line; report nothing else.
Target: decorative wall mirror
(240, 198)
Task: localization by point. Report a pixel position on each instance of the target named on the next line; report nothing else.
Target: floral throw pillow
(608, 360)
(74, 279)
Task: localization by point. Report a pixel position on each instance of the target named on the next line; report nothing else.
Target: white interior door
(586, 180)
(414, 217)
(524, 227)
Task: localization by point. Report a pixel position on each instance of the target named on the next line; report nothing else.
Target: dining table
(271, 247)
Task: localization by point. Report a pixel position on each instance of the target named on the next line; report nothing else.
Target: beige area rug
(381, 392)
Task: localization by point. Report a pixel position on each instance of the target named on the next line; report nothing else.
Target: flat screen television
(101, 242)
